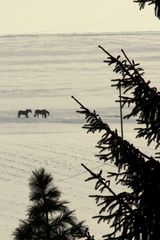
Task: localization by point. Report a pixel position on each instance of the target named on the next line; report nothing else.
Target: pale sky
(68, 16)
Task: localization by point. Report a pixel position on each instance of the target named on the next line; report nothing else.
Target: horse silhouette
(44, 113)
(24, 112)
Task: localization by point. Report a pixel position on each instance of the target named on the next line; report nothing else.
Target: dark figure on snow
(24, 112)
(44, 113)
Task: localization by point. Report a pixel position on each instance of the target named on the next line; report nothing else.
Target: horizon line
(80, 33)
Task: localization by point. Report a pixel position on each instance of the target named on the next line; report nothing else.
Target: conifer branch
(95, 123)
(145, 101)
(104, 185)
(118, 206)
(142, 4)
(88, 236)
(140, 174)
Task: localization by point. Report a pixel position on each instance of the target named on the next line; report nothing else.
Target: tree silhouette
(48, 217)
(134, 212)
(142, 4)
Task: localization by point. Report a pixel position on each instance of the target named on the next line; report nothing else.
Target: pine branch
(142, 4)
(113, 148)
(118, 206)
(130, 221)
(140, 174)
(93, 118)
(95, 123)
(88, 236)
(101, 181)
(145, 101)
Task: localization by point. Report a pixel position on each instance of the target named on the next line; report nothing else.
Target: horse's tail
(18, 115)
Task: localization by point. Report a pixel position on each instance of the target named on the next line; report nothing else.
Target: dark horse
(44, 113)
(24, 112)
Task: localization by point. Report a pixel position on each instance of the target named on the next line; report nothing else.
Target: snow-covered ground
(44, 72)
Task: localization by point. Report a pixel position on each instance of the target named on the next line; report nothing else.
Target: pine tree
(142, 4)
(133, 214)
(48, 218)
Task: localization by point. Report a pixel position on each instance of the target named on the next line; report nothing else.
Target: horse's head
(45, 112)
(29, 110)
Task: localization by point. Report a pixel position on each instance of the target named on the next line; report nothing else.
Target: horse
(44, 113)
(24, 112)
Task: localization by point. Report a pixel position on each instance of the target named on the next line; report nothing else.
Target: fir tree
(48, 218)
(133, 214)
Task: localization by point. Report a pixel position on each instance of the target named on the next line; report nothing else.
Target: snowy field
(44, 71)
